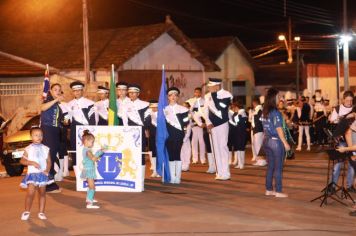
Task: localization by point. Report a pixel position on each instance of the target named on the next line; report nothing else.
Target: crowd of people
(212, 129)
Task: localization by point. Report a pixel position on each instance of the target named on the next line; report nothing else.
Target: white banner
(119, 169)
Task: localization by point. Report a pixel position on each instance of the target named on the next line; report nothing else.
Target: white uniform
(186, 150)
(197, 105)
(122, 110)
(101, 112)
(216, 113)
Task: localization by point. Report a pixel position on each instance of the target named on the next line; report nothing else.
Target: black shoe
(331, 190)
(53, 188)
(352, 213)
(351, 190)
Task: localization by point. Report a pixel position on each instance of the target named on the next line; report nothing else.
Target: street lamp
(289, 50)
(297, 40)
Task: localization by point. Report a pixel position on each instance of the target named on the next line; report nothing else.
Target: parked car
(14, 145)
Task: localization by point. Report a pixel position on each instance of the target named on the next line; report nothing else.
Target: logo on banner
(109, 165)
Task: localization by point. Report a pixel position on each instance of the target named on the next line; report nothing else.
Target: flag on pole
(162, 133)
(46, 84)
(112, 116)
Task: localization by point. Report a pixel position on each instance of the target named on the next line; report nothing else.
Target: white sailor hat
(134, 88)
(153, 103)
(214, 81)
(76, 85)
(102, 89)
(121, 85)
(172, 90)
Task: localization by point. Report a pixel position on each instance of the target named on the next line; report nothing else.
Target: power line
(185, 15)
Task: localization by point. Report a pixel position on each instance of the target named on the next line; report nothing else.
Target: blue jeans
(350, 174)
(275, 153)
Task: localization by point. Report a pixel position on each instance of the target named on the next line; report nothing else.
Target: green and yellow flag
(112, 116)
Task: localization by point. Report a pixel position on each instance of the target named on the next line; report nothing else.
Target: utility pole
(337, 71)
(86, 42)
(290, 55)
(346, 49)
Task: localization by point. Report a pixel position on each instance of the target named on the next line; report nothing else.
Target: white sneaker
(91, 206)
(270, 193)
(25, 215)
(237, 167)
(42, 216)
(281, 195)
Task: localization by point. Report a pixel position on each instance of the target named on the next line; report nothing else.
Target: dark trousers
(275, 152)
(51, 138)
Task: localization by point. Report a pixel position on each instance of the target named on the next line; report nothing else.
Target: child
(152, 137)
(238, 127)
(37, 159)
(89, 169)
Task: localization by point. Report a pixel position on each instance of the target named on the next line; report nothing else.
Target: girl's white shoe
(42, 216)
(25, 215)
(91, 206)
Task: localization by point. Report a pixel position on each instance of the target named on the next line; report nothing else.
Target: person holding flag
(162, 133)
(51, 125)
(177, 118)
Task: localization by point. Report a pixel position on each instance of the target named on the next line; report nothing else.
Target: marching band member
(122, 101)
(102, 106)
(304, 113)
(238, 133)
(80, 112)
(216, 109)
(186, 151)
(319, 118)
(177, 119)
(197, 103)
(257, 131)
(138, 115)
(152, 137)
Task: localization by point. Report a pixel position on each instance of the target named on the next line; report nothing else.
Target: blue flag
(162, 133)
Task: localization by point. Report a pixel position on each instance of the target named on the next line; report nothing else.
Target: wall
(164, 50)
(234, 67)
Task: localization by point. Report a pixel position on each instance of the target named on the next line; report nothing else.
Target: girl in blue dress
(275, 144)
(37, 159)
(89, 167)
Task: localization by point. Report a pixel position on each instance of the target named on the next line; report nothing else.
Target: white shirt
(209, 104)
(37, 153)
(132, 111)
(334, 118)
(122, 109)
(171, 111)
(101, 109)
(75, 109)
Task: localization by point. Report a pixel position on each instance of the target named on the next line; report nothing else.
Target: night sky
(255, 22)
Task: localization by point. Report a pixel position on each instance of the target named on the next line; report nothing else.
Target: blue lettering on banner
(116, 183)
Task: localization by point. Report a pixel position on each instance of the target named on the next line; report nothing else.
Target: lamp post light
(297, 40)
(289, 49)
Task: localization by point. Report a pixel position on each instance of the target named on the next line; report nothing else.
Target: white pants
(302, 129)
(198, 140)
(185, 154)
(220, 135)
(256, 143)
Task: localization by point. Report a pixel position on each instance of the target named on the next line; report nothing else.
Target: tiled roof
(115, 46)
(216, 46)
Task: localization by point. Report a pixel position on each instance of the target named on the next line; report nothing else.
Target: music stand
(334, 156)
(328, 191)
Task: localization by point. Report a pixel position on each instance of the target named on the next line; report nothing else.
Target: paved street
(199, 206)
